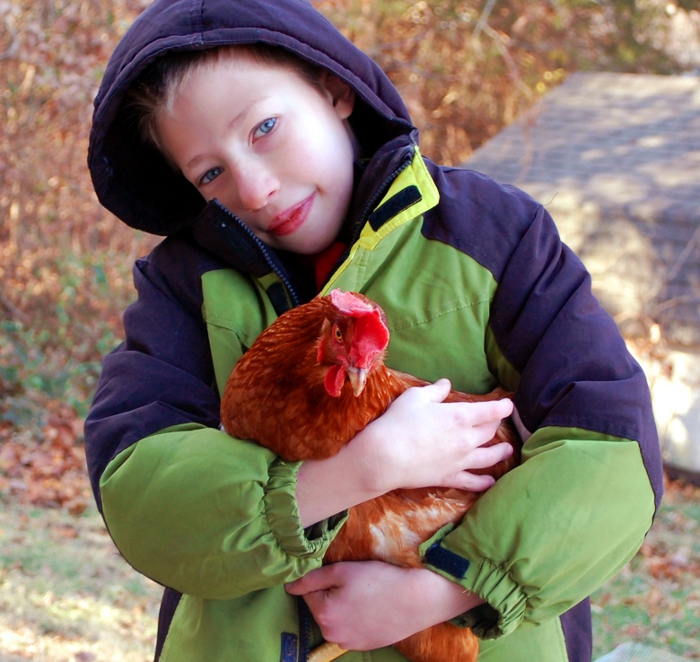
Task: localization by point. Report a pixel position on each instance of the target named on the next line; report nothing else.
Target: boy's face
(270, 146)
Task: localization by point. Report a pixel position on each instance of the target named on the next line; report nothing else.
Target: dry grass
(66, 595)
(655, 600)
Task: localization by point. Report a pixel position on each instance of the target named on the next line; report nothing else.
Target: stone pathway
(616, 160)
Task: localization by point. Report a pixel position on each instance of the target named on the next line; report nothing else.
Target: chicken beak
(358, 379)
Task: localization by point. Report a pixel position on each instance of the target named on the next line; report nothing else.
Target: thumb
(315, 580)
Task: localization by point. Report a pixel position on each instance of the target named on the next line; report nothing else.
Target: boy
(280, 161)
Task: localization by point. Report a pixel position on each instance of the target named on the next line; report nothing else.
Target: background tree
(466, 68)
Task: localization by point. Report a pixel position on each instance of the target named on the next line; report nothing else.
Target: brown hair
(158, 86)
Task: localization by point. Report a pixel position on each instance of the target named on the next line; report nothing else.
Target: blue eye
(265, 127)
(210, 176)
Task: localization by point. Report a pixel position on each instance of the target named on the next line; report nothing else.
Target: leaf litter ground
(655, 599)
(66, 595)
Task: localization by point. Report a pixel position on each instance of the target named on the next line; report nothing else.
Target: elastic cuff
(282, 514)
(505, 601)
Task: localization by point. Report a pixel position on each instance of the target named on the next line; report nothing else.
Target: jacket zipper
(304, 630)
(266, 254)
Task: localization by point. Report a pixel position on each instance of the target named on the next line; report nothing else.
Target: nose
(255, 184)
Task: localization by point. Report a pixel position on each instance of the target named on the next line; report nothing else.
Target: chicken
(306, 387)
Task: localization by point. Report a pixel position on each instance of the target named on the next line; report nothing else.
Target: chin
(314, 247)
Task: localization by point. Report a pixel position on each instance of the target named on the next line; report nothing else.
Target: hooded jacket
(469, 268)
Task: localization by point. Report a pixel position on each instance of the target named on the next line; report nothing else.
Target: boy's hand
(371, 604)
(420, 441)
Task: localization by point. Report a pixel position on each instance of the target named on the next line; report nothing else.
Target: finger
(296, 587)
(480, 434)
(317, 601)
(481, 458)
(491, 411)
(474, 482)
(320, 579)
(326, 616)
(483, 433)
(438, 391)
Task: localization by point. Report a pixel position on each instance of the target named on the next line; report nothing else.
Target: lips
(291, 219)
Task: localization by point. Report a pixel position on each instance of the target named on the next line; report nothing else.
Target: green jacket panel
(235, 529)
(518, 552)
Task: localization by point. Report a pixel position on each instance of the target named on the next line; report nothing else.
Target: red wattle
(334, 380)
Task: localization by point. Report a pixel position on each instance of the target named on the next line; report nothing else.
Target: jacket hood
(133, 180)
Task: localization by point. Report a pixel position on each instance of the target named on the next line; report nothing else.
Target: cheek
(325, 148)
(223, 191)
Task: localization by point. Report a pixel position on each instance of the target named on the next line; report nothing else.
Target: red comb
(350, 304)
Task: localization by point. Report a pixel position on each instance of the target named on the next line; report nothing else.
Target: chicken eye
(338, 334)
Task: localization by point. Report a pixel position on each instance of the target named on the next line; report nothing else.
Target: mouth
(291, 219)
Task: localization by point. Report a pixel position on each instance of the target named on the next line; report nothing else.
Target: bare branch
(12, 309)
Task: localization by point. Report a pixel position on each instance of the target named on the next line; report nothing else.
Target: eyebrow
(194, 160)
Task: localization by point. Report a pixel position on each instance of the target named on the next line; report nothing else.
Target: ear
(341, 95)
